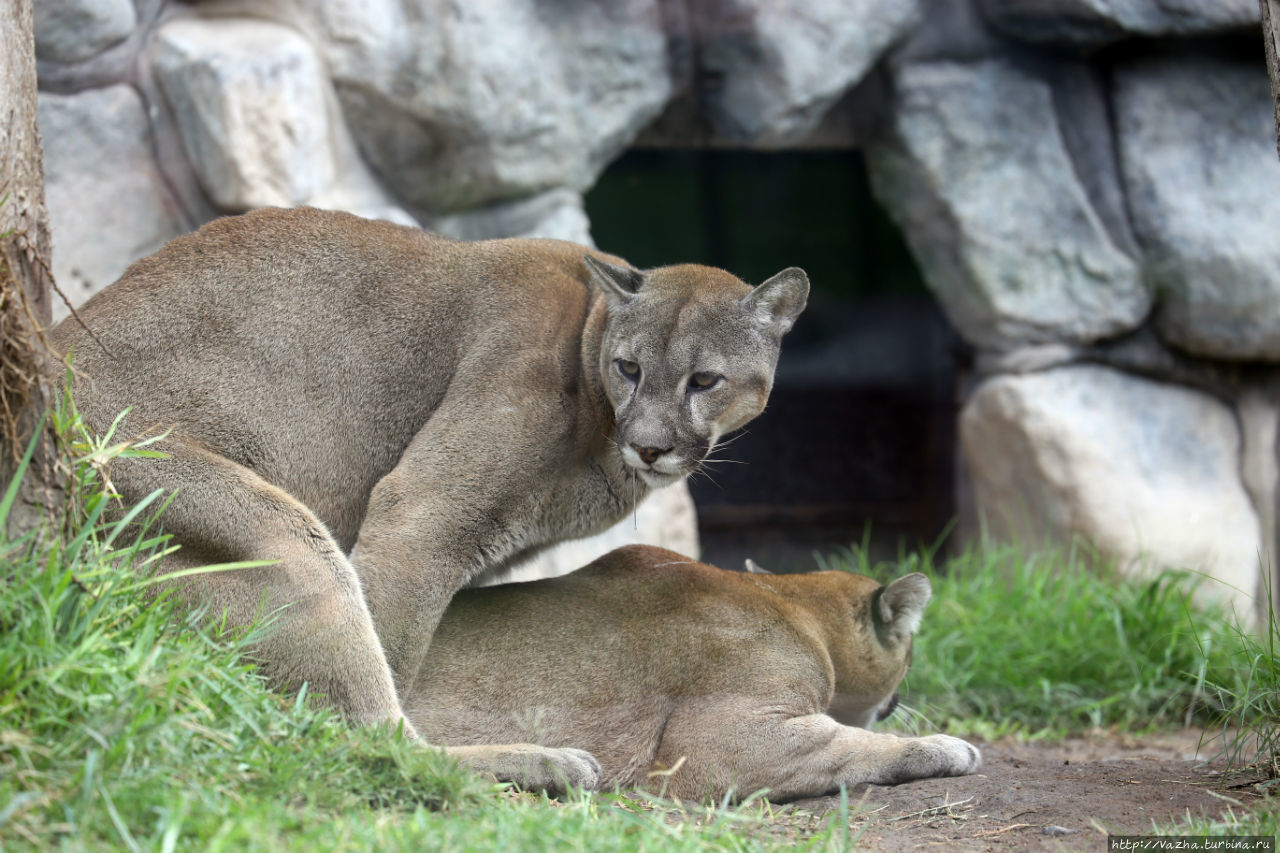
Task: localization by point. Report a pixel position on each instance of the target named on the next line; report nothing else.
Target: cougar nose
(649, 454)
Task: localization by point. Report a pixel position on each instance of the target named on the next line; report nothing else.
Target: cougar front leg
(459, 503)
(798, 756)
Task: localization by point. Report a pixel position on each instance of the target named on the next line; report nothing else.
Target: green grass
(128, 724)
(1055, 643)
(1262, 819)
(1252, 704)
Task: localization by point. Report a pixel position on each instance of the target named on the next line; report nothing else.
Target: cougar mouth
(656, 472)
(657, 480)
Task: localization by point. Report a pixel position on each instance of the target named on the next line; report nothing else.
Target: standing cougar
(437, 410)
(724, 679)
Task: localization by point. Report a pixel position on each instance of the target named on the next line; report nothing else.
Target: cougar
(687, 679)
(391, 415)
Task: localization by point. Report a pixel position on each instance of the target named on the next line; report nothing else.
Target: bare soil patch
(1066, 795)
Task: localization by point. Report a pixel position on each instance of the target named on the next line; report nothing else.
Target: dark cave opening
(859, 435)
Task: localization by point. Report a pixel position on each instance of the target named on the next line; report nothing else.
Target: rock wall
(1088, 187)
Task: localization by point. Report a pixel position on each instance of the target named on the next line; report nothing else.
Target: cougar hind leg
(321, 633)
(324, 635)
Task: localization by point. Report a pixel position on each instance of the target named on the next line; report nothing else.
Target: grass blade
(11, 492)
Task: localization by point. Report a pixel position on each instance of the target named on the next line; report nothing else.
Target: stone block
(1098, 22)
(459, 105)
(1148, 473)
(75, 30)
(666, 518)
(249, 101)
(773, 70)
(108, 203)
(976, 173)
(1196, 138)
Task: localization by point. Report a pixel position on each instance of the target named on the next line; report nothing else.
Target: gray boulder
(667, 518)
(457, 105)
(1095, 22)
(1197, 152)
(778, 67)
(249, 101)
(952, 30)
(976, 173)
(1148, 473)
(108, 203)
(556, 214)
(75, 30)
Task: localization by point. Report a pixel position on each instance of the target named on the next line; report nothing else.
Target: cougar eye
(703, 380)
(629, 369)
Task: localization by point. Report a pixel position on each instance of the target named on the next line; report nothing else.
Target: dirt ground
(1044, 796)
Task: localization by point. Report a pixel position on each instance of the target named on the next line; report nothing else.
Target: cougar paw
(952, 756)
(534, 768)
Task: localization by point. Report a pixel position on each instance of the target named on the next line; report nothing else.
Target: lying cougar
(653, 661)
(451, 408)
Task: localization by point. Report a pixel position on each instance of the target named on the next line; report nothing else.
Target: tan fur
(392, 414)
(728, 677)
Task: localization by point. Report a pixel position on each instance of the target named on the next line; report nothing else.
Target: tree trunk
(24, 271)
(1271, 43)
(1270, 10)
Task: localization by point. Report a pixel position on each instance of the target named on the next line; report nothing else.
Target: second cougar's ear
(777, 303)
(897, 608)
(620, 285)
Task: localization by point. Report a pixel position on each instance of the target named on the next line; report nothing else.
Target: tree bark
(1271, 43)
(1270, 10)
(24, 271)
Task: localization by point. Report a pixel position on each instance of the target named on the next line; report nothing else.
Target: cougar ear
(620, 285)
(753, 568)
(898, 607)
(778, 302)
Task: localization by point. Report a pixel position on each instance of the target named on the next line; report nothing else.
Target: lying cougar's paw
(950, 756)
(533, 768)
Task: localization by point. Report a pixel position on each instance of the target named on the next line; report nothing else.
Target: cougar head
(687, 356)
(875, 651)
